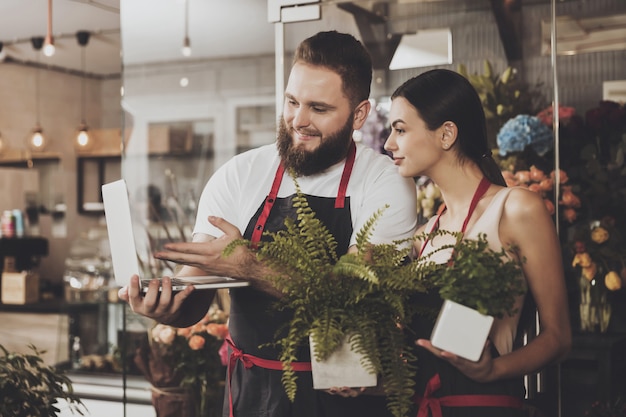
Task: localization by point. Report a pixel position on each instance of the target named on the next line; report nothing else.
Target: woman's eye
(398, 130)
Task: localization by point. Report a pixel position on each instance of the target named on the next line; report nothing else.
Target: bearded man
(326, 99)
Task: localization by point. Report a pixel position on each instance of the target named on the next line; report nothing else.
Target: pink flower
(224, 353)
(522, 176)
(164, 334)
(569, 199)
(184, 332)
(196, 342)
(549, 206)
(570, 214)
(536, 174)
(563, 178)
(546, 115)
(546, 184)
(218, 330)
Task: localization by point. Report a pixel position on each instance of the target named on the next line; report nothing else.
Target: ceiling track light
(48, 47)
(83, 140)
(186, 49)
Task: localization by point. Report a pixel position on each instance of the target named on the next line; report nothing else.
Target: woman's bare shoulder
(522, 203)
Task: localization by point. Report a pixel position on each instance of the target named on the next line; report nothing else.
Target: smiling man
(326, 99)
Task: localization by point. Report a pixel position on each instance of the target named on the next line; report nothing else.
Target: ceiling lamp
(48, 45)
(37, 142)
(186, 50)
(83, 141)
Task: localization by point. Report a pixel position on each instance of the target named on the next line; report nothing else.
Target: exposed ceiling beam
(508, 17)
(372, 27)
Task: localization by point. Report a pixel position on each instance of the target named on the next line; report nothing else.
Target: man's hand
(161, 305)
(206, 253)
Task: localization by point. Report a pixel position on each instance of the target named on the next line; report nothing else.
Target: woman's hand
(479, 371)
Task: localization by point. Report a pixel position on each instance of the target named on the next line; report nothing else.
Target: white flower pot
(461, 330)
(342, 369)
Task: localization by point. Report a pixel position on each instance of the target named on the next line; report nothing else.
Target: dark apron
(441, 389)
(254, 323)
(452, 381)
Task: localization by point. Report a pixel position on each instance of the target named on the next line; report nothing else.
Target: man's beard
(332, 149)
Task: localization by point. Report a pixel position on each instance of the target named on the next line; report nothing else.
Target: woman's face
(415, 148)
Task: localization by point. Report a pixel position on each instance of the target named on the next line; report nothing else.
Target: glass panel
(185, 117)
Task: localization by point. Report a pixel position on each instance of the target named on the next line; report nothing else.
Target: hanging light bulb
(186, 49)
(37, 141)
(48, 45)
(83, 140)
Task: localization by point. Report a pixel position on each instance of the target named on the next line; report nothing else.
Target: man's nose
(301, 118)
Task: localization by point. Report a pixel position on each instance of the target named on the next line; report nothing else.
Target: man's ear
(361, 112)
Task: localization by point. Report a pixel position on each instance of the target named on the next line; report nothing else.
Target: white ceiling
(153, 31)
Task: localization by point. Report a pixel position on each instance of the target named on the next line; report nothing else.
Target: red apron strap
(482, 188)
(278, 178)
(249, 361)
(267, 207)
(345, 176)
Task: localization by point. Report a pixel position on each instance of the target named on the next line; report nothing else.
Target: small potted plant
(29, 387)
(477, 285)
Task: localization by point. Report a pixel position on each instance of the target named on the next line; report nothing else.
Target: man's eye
(319, 109)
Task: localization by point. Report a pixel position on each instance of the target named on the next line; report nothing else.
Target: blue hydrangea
(522, 131)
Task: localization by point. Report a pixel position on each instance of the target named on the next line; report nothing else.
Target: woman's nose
(390, 144)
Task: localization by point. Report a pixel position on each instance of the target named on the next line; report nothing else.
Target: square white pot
(343, 368)
(461, 330)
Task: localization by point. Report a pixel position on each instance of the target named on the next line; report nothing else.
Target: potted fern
(360, 299)
(29, 387)
(477, 285)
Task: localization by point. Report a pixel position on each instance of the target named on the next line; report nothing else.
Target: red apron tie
(249, 361)
(429, 405)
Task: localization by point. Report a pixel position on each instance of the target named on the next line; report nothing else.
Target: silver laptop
(124, 252)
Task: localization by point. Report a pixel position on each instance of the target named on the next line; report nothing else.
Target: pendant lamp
(48, 45)
(83, 140)
(186, 49)
(37, 141)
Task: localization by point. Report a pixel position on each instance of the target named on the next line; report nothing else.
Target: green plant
(364, 294)
(477, 276)
(30, 388)
(367, 294)
(503, 96)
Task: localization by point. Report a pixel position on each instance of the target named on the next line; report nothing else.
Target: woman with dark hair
(438, 131)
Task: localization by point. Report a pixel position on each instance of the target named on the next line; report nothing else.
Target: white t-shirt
(238, 188)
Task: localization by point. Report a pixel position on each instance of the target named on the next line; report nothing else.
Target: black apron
(454, 394)
(254, 322)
